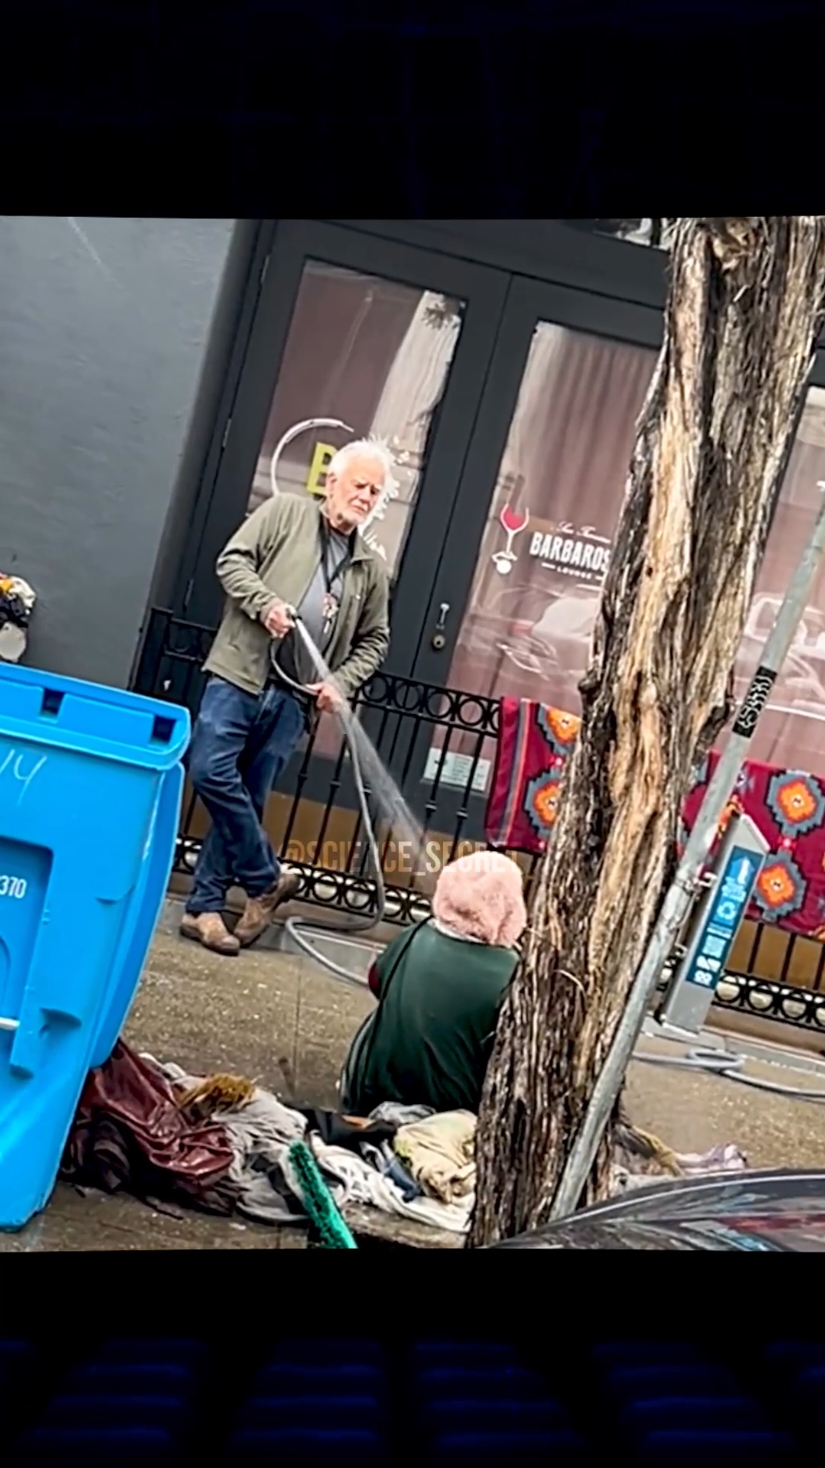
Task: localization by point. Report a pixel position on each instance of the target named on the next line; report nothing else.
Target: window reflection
(546, 546)
(366, 356)
(371, 356)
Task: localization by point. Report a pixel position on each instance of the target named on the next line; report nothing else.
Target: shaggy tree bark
(745, 308)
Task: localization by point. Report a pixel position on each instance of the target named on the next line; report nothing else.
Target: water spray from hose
(383, 787)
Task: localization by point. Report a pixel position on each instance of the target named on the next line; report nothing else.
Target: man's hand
(278, 619)
(327, 697)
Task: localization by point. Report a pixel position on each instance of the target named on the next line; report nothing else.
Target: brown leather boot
(257, 915)
(209, 929)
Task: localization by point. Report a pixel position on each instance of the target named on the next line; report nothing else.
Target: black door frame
(484, 292)
(294, 242)
(541, 249)
(529, 302)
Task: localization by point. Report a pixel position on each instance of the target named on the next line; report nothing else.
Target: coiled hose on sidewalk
(715, 1062)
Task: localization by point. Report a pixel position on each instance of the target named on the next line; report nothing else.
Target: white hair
(370, 448)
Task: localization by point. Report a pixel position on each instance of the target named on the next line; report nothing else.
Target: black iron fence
(439, 745)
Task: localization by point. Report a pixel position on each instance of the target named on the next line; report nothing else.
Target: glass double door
(533, 522)
(509, 406)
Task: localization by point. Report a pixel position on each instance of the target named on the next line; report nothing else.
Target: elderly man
(292, 553)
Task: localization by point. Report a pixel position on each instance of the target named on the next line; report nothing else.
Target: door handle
(439, 640)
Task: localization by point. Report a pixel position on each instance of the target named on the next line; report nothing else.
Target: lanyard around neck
(330, 577)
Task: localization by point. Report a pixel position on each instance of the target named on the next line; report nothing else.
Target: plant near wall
(743, 315)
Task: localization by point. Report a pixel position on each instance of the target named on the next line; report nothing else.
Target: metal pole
(680, 895)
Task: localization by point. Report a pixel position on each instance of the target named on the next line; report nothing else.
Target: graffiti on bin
(20, 769)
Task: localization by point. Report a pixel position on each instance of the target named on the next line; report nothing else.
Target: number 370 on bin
(12, 886)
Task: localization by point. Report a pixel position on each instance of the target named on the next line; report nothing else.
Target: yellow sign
(318, 467)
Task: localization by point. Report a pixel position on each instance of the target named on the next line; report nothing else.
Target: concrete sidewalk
(286, 1022)
(278, 1018)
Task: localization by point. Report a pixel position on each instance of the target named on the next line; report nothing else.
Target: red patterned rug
(788, 806)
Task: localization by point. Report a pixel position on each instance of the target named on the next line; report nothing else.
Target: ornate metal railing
(439, 744)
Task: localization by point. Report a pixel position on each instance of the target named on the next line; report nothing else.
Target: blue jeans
(240, 744)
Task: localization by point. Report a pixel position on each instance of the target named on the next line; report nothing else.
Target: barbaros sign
(580, 553)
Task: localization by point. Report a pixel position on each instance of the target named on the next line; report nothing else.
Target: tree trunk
(743, 315)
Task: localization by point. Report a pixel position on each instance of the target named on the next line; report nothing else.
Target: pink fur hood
(481, 896)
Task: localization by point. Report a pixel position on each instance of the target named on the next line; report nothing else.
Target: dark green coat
(429, 1041)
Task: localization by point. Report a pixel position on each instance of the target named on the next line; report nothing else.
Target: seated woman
(439, 987)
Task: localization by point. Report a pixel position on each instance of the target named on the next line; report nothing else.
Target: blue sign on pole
(725, 913)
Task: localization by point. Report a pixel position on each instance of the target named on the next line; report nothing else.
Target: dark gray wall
(103, 325)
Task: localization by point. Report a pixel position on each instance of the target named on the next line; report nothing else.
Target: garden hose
(299, 929)
(720, 1063)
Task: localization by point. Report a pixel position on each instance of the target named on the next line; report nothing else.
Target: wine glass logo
(513, 522)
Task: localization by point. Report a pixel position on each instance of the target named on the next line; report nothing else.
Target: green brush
(321, 1207)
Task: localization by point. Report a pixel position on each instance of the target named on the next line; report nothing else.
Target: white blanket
(260, 1133)
(353, 1180)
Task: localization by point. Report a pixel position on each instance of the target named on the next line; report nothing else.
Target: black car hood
(776, 1211)
(611, 1236)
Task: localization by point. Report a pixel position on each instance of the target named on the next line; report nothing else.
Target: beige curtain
(414, 385)
(564, 465)
(344, 337)
(527, 632)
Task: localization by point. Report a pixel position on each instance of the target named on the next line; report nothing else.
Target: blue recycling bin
(91, 781)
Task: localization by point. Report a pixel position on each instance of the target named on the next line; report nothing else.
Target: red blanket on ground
(788, 806)
(130, 1132)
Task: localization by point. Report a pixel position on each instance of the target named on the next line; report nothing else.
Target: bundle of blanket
(640, 1158)
(221, 1144)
